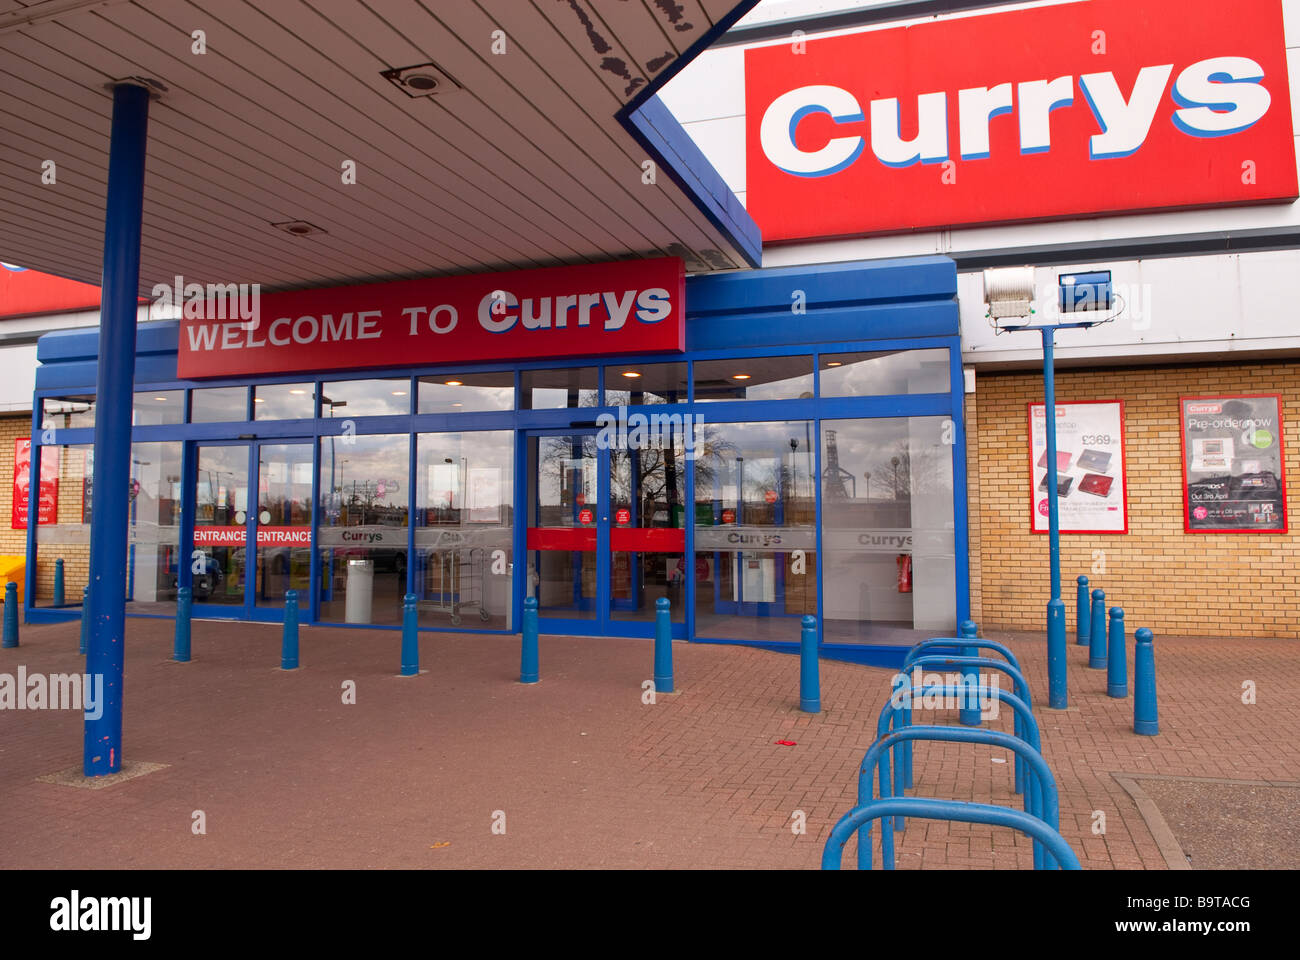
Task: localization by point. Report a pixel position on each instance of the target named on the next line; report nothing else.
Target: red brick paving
(587, 776)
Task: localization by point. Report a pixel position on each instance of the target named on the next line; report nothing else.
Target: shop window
(219, 405)
(61, 511)
(284, 401)
(464, 522)
(366, 398)
(466, 392)
(68, 413)
(633, 384)
(362, 492)
(888, 530)
(154, 407)
(754, 378)
(883, 373)
(153, 529)
(755, 530)
(557, 389)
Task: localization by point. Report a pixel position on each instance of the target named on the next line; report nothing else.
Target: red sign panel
(1052, 112)
(48, 494)
(623, 516)
(24, 292)
(585, 516)
(238, 536)
(613, 308)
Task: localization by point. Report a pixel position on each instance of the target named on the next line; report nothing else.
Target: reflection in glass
(68, 413)
(888, 533)
(754, 378)
(155, 407)
(633, 384)
(755, 530)
(558, 389)
(284, 499)
(63, 520)
(220, 523)
(284, 401)
(362, 495)
(466, 392)
(879, 374)
(562, 507)
(648, 527)
(366, 398)
(218, 404)
(153, 553)
(464, 516)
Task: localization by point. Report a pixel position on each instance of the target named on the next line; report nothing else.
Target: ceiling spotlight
(740, 376)
(631, 374)
(297, 392)
(455, 383)
(399, 393)
(834, 363)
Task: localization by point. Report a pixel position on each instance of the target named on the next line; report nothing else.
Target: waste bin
(360, 591)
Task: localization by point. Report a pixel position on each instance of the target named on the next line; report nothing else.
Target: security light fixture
(421, 80)
(1009, 293)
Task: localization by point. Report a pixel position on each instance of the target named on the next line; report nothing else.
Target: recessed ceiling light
(455, 383)
(161, 399)
(399, 393)
(299, 228)
(631, 374)
(458, 404)
(421, 80)
(258, 400)
(740, 376)
(297, 393)
(834, 363)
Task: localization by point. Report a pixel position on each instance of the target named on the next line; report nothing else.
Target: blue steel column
(120, 288)
(1058, 697)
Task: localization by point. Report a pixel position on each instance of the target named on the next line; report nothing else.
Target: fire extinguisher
(904, 562)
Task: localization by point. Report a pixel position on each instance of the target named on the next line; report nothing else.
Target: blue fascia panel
(676, 154)
(879, 322)
(860, 281)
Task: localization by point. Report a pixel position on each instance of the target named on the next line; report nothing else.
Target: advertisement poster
(1091, 477)
(48, 497)
(1233, 479)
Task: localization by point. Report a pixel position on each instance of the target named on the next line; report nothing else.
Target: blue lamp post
(1010, 296)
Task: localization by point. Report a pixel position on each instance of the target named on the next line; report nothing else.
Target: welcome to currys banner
(613, 308)
(1061, 111)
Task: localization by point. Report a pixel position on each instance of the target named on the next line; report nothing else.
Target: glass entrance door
(252, 528)
(606, 532)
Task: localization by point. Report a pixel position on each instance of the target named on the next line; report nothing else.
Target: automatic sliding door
(563, 518)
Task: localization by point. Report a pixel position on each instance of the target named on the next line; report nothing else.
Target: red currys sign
(613, 308)
(1052, 112)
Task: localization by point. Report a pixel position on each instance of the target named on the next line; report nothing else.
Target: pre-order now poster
(1091, 482)
(1233, 477)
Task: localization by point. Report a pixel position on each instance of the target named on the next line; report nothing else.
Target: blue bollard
(810, 693)
(970, 714)
(410, 636)
(58, 583)
(1097, 635)
(181, 643)
(289, 646)
(663, 646)
(1146, 715)
(1116, 656)
(85, 619)
(1083, 615)
(11, 615)
(528, 650)
(1058, 693)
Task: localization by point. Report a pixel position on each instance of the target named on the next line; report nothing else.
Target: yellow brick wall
(1176, 583)
(12, 542)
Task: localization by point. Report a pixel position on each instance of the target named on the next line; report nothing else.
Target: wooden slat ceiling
(524, 166)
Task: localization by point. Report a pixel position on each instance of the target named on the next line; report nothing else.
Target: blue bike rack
(894, 718)
(925, 808)
(1041, 802)
(1017, 678)
(947, 642)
